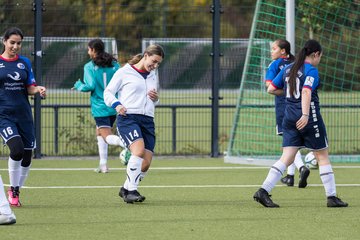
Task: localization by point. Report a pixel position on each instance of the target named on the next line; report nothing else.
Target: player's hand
(77, 85)
(121, 110)
(42, 91)
(153, 95)
(302, 122)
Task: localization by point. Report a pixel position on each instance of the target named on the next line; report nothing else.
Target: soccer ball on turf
(310, 161)
(125, 155)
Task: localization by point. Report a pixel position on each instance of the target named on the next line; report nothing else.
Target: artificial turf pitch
(186, 198)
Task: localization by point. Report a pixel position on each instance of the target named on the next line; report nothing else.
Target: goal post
(335, 24)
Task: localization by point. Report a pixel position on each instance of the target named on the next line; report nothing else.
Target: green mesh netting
(335, 24)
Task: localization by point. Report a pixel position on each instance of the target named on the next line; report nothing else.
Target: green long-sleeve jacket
(95, 81)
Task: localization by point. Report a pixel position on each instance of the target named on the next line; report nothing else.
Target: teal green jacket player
(95, 81)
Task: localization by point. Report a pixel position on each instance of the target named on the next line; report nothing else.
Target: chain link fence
(184, 28)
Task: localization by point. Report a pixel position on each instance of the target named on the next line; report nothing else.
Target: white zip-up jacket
(132, 91)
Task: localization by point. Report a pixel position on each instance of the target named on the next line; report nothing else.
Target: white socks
(133, 171)
(274, 175)
(328, 180)
(298, 160)
(103, 150)
(142, 175)
(14, 172)
(298, 163)
(24, 173)
(126, 184)
(4, 204)
(291, 169)
(114, 140)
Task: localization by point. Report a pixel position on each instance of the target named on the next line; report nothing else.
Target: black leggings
(17, 151)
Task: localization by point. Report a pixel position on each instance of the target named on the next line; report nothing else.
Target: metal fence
(184, 116)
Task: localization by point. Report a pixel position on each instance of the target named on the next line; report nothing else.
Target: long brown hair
(153, 49)
(311, 46)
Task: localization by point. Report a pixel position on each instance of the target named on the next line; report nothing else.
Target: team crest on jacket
(20, 66)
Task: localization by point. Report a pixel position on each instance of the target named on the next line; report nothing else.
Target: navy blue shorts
(105, 122)
(133, 127)
(25, 130)
(313, 136)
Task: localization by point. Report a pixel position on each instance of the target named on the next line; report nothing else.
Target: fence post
(38, 7)
(215, 10)
(174, 129)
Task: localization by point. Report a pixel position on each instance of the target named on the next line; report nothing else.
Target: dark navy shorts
(313, 136)
(133, 127)
(105, 122)
(25, 130)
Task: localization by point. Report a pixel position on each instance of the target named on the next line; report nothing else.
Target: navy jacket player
(303, 125)
(281, 56)
(16, 122)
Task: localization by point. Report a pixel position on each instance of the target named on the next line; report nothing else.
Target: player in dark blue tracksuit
(303, 125)
(16, 122)
(281, 56)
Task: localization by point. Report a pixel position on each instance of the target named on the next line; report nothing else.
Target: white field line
(176, 186)
(168, 168)
(171, 186)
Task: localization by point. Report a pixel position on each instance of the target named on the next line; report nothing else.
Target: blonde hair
(153, 49)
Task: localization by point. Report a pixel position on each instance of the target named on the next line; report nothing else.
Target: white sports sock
(298, 160)
(274, 175)
(328, 180)
(133, 171)
(24, 173)
(103, 150)
(114, 140)
(142, 175)
(4, 204)
(126, 183)
(14, 172)
(291, 169)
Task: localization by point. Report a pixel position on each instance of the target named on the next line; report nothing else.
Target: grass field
(187, 198)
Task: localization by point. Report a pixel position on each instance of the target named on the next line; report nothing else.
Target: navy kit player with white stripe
(16, 122)
(303, 125)
(136, 86)
(281, 56)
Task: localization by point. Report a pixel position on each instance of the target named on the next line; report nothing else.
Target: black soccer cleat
(133, 196)
(263, 197)
(288, 180)
(304, 174)
(335, 202)
(123, 192)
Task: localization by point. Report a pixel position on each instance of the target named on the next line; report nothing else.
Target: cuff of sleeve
(115, 104)
(274, 85)
(77, 85)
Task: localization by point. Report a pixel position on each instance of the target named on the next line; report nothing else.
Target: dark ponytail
(311, 46)
(102, 58)
(284, 44)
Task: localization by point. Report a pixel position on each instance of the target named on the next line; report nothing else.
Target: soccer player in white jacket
(136, 86)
